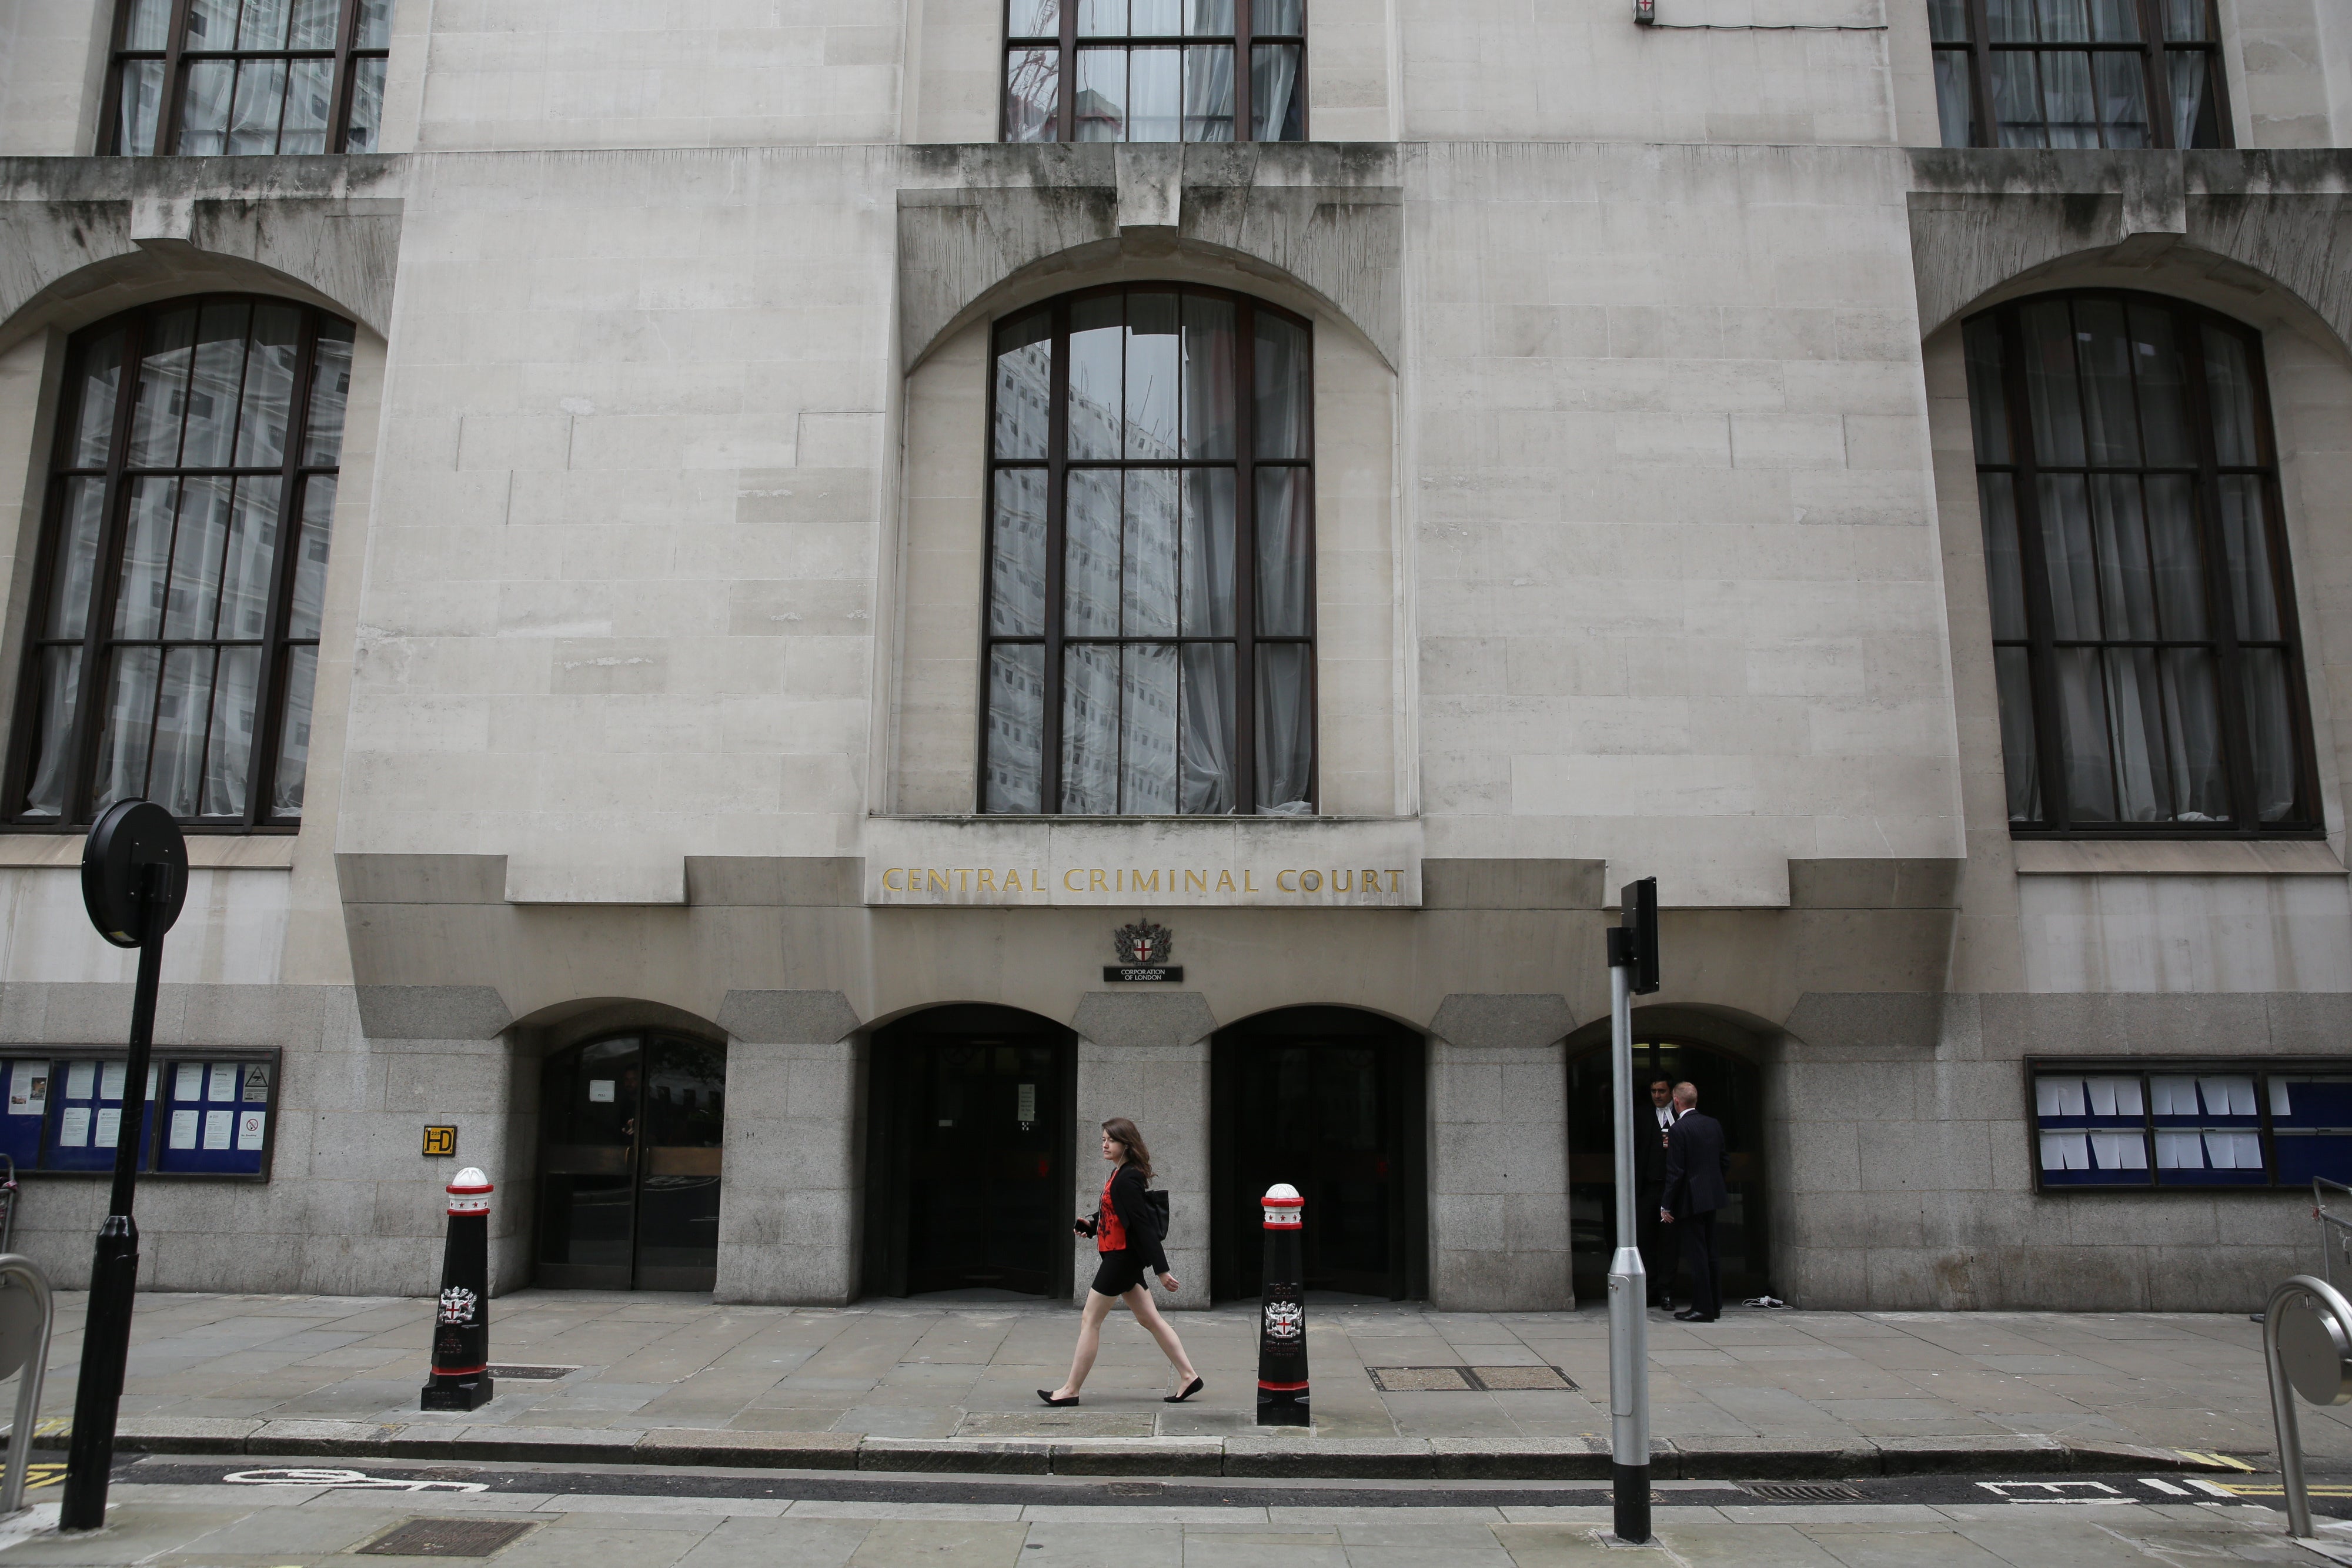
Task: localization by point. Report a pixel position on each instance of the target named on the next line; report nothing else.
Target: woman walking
(1125, 1229)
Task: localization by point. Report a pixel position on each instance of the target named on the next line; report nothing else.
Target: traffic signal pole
(1632, 968)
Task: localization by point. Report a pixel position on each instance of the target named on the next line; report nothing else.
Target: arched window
(2079, 73)
(175, 638)
(2143, 614)
(1150, 616)
(1155, 70)
(254, 78)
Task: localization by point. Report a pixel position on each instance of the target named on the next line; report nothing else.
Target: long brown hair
(1122, 1133)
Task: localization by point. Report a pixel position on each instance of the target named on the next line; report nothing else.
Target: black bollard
(1282, 1322)
(461, 1321)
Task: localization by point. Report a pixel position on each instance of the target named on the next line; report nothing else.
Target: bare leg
(1082, 1360)
(1147, 1313)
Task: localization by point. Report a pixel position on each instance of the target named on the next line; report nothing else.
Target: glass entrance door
(969, 1165)
(1328, 1099)
(631, 1135)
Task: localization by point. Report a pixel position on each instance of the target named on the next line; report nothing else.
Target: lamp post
(134, 878)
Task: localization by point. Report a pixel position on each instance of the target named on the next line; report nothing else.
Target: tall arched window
(1150, 618)
(1155, 70)
(175, 638)
(2143, 613)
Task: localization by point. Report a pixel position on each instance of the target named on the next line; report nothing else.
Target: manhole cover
(1420, 1379)
(445, 1538)
(1135, 1489)
(532, 1373)
(1502, 1379)
(1802, 1491)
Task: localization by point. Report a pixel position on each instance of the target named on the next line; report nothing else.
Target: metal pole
(1629, 1291)
(114, 1266)
(22, 1273)
(2283, 1417)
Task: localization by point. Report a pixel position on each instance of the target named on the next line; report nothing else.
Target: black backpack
(1157, 1200)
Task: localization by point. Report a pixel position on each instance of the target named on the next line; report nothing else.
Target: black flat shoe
(1687, 1316)
(1057, 1404)
(1191, 1389)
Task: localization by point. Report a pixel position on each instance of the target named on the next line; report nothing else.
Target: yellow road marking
(39, 1475)
(2222, 1460)
(2241, 1489)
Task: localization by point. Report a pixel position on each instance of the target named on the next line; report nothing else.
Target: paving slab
(944, 1385)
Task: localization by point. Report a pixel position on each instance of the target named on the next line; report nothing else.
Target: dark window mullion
(1980, 73)
(1057, 431)
(2221, 614)
(110, 106)
(2041, 662)
(167, 118)
(339, 102)
(1065, 114)
(1246, 556)
(105, 578)
(1243, 22)
(2159, 82)
(269, 686)
(2290, 640)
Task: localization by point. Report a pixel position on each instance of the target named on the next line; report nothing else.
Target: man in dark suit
(1697, 1165)
(1649, 1126)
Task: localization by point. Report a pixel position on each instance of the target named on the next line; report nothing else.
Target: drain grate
(531, 1373)
(1802, 1491)
(1135, 1489)
(445, 1538)
(1468, 1379)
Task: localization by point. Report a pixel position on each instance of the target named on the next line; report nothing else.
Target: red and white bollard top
(1285, 1209)
(469, 1192)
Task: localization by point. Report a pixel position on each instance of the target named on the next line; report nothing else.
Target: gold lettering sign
(1015, 884)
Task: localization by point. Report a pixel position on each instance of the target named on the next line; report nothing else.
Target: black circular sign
(131, 836)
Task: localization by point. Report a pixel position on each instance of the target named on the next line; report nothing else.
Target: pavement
(185, 1515)
(1400, 1391)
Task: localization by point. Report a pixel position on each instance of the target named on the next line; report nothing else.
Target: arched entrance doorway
(632, 1131)
(1329, 1100)
(1731, 1090)
(969, 1158)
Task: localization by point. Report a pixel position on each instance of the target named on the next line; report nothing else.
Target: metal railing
(2334, 1228)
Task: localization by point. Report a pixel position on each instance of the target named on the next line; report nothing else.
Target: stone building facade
(644, 785)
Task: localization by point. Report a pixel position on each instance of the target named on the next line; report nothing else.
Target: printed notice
(600, 1091)
(225, 1077)
(110, 1127)
(188, 1082)
(256, 1083)
(249, 1127)
(28, 1088)
(73, 1128)
(80, 1078)
(111, 1078)
(216, 1128)
(183, 1129)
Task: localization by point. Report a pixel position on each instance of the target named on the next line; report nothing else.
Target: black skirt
(1120, 1272)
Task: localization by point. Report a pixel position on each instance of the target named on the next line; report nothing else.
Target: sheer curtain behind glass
(249, 77)
(2077, 73)
(1154, 70)
(2135, 569)
(1129, 639)
(206, 493)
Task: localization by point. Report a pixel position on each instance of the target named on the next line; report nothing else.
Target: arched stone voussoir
(2258, 235)
(82, 239)
(1316, 226)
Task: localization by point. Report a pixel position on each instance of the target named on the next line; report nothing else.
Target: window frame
(1066, 44)
(1057, 465)
(2152, 48)
(2262, 1070)
(2025, 467)
(175, 56)
(156, 1132)
(97, 640)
